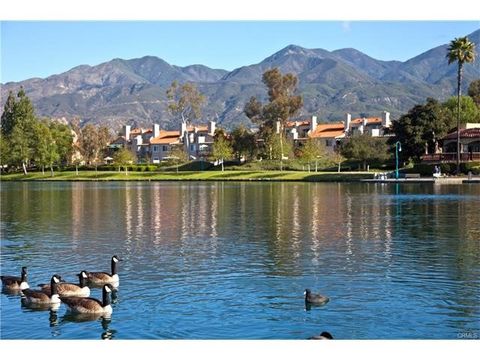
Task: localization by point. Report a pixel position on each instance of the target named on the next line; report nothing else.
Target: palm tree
(461, 50)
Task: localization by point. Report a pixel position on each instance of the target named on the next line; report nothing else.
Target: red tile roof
(166, 137)
(332, 130)
(165, 140)
(298, 123)
(371, 120)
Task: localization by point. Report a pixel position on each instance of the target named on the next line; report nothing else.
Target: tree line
(26, 139)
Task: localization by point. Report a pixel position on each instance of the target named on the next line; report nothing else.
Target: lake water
(205, 260)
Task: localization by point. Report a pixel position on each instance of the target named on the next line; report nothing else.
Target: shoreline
(229, 175)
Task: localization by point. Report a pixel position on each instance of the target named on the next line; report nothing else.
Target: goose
(38, 297)
(314, 299)
(325, 335)
(102, 278)
(82, 305)
(15, 282)
(68, 289)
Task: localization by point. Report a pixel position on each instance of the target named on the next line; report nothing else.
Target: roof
(370, 121)
(165, 140)
(333, 130)
(298, 123)
(465, 134)
(198, 127)
(166, 137)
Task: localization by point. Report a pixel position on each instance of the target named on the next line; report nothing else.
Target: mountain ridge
(332, 83)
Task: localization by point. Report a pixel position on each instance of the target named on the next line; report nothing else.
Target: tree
(178, 155)
(123, 158)
(460, 50)
(423, 124)
(185, 101)
(63, 137)
(222, 149)
(76, 144)
(4, 152)
(243, 142)
(282, 105)
(312, 151)
(8, 118)
(337, 158)
(365, 148)
(469, 112)
(20, 146)
(474, 91)
(92, 141)
(21, 135)
(278, 147)
(46, 153)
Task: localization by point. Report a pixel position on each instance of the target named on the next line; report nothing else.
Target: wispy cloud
(346, 26)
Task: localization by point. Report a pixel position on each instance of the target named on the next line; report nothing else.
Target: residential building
(373, 126)
(329, 134)
(154, 145)
(469, 146)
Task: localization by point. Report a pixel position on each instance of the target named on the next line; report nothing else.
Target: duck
(15, 282)
(38, 297)
(102, 278)
(68, 289)
(315, 299)
(325, 335)
(88, 305)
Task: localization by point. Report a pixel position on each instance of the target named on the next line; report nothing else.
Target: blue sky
(43, 48)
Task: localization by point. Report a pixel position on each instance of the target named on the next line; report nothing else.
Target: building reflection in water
(356, 220)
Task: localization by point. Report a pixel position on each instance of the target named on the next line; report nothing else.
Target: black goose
(15, 282)
(68, 289)
(325, 335)
(38, 297)
(314, 299)
(102, 278)
(82, 305)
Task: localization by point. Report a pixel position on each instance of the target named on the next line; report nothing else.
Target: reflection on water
(231, 260)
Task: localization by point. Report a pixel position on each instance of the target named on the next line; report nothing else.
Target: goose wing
(103, 276)
(89, 304)
(36, 294)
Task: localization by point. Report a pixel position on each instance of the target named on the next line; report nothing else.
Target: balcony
(450, 157)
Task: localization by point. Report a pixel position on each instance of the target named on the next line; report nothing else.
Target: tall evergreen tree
(8, 119)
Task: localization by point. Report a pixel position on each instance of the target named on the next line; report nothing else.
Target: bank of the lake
(228, 175)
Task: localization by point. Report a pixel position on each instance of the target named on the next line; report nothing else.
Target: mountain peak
(293, 50)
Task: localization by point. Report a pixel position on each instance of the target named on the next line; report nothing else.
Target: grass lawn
(228, 175)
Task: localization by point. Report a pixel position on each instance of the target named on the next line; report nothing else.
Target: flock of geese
(76, 296)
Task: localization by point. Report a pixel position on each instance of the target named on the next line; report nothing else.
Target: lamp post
(398, 147)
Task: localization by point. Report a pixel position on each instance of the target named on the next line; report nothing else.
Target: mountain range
(332, 83)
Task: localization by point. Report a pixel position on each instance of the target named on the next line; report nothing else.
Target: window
(155, 148)
(192, 147)
(165, 148)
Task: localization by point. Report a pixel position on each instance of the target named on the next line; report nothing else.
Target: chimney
(126, 132)
(313, 123)
(386, 122)
(211, 128)
(348, 122)
(156, 130)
